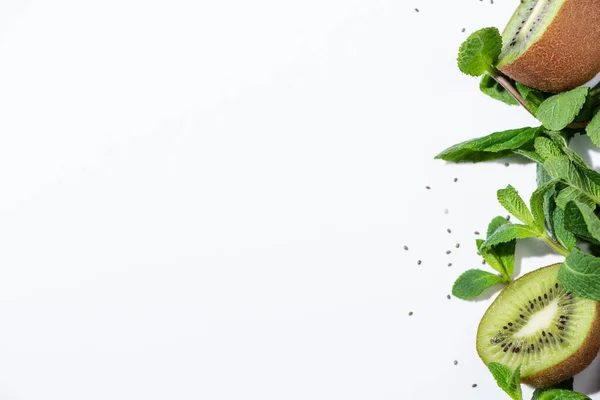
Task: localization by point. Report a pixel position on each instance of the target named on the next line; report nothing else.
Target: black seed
(540, 298)
(505, 349)
(561, 328)
(545, 296)
(543, 333)
(455, 362)
(532, 347)
(541, 340)
(449, 264)
(561, 340)
(563, 322)
(455, 179)
(508, 217)
(448, 296)
(506, 164)
(410, 314)
(532, 306)
(547, 341)
(419, 262)
(416, 9)
(477, 232)
(551, 290)
(448, 230)
(510, 324)
(517, 350)
(448, 252)
(550, 334)
(521, 315)
(463, 29)
(556, 285)
(428, 187)
(457, 245)
(505, 327)
(474, 385)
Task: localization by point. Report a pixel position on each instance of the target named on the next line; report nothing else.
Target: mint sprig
(479, 53)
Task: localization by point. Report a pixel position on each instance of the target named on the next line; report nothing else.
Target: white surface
(209, 199)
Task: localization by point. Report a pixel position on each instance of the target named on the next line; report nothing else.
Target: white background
(210, 199)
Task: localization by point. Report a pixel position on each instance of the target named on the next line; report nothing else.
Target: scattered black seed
(416, 9)
(463, 29)
(448, 296)
(455, 179)
(449, 230)
(406, 248)
(410, 314)
(508, 217)
(445, 211)
(419, 262)
(428, 187)
(449, 264)
(477, 232)
(506, 164)
(482, 262)
(455, 362)
(448, 251)
(457, 245)
(474, 385)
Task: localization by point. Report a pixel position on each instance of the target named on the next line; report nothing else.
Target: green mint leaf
(564, 237)
(592, 222)
(574, 175)
(593, 129)
(480, 52)
(507, 380)
(546, 148)
(532, 155)
(473, 282)
(490, 147)
(509, 232)
(489, 86)
(570, 194)
(504, 251)
(560, 394)
(500, 257)
(566, 385)
(513, 203)
(542, 178)
(575, 223)
(560, 110)
(537, 203)
(580, 274)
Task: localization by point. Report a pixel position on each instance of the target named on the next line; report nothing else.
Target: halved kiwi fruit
(552, 45)
(537, 324)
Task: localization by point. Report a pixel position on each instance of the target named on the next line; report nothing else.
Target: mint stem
(502, 81)
(554, 245)
(505, 83)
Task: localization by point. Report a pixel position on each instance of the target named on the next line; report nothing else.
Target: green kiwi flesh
(527, 25)
(536, 324)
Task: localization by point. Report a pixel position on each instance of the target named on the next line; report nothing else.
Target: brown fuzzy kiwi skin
(568, 53)
(574, 364)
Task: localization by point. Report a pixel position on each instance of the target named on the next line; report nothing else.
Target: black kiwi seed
(543, 333)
